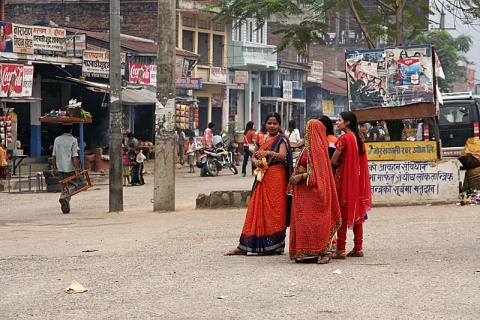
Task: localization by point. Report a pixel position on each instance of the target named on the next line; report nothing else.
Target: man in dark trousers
(65, 163)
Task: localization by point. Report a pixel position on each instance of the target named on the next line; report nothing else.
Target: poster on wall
(390, 77)
(49, 40)
(97, 64)
(17, 80)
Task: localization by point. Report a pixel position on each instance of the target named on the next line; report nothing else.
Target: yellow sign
(327, 107)
(402, 150)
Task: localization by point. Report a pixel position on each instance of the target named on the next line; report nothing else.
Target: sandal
(339, 254)
(325, 259)
(355, 253)
(236, 252)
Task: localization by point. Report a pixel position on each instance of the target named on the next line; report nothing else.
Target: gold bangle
(305, 176)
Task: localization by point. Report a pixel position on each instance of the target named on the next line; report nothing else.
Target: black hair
(291, 125)
(211, 125)
(67, 128)
(130, 135)
(353, 125)
(272, 114)
(131, 145)
(248, 127)
(125, 149)
(328, 123)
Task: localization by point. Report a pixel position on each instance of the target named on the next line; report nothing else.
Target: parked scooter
(216, 160)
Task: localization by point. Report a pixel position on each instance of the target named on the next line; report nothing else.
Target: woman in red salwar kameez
(265, 224)
(315, 210)
(353, 185)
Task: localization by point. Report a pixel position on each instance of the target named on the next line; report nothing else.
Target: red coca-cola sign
(142, 73)
(12, 79)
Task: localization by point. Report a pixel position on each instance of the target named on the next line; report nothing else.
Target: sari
(265, 223)
(353, 181)
(316, 213)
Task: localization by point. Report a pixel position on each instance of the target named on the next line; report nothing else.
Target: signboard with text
(189, 83)
(402, 150)
(22, 37)
(17, 80)
(97, 64)
(49, 40)
(143, 73)
(218, 74)
(75, 45)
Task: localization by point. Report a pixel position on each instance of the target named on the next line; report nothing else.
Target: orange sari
(266, 220)
(315, 209)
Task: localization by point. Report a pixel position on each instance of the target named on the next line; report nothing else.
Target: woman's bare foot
(236, 252)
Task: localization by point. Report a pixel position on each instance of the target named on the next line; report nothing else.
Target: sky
(456, 28)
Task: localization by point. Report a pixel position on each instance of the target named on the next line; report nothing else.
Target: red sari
(353, 181)
(265, 224)
(315, 210)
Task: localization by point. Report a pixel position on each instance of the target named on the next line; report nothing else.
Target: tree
(451, 52)
(390, 20)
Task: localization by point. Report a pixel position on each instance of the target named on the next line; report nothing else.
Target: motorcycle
(218, 159)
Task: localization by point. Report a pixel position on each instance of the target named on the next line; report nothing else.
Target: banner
(75, 45)
(97, 64)
(17, 80)
(402, 150)
(49, 40)
(189, 83)
(390, 77)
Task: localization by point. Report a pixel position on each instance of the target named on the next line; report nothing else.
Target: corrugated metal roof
(334, 85)
(130, 43)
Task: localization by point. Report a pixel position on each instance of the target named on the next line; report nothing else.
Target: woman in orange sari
(315, 210)
(353, 185)
(266, 220)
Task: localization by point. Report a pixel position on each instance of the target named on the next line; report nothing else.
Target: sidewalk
(420, 262)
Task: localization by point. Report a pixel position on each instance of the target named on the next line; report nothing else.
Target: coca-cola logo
(140, 70)
(12, 71)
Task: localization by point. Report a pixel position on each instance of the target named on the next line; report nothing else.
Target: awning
(136, 96)
(20, 99)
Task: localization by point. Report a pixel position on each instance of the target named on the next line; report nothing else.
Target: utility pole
(164, 179)
(115, 111)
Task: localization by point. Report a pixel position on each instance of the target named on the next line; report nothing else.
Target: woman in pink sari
(352, 180)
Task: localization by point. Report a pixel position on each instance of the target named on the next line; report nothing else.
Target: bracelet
(274, 155)
(305, 176)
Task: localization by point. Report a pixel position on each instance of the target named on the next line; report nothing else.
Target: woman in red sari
(315, 210)
(266, 220)
(353, 185)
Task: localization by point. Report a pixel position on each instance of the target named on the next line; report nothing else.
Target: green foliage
(451, 52)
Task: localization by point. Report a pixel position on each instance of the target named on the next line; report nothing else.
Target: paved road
(421, 262)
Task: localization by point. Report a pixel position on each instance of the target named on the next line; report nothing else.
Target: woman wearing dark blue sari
(266, 220)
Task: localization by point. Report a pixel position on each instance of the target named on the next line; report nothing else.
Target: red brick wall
(139, 18)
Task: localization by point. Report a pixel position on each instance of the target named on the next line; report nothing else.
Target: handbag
(252, 147)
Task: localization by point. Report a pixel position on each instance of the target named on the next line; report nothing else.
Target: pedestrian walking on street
(352, 181)
(191, 155)
(265, 223)
(65, 164)
(248, 142)
(181, 145)
(315, 213)
(134, 177)
(140, 157)
(126, 166)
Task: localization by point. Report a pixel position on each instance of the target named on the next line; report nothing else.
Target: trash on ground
(76, 287)
(90, 250)
(288, 294)
(222, 297)
(338, 271)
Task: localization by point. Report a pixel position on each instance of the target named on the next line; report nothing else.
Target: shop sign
(287, 89)
(22, 38)
(17, 80)
(189, 83)
(76, 44)
(316, 71)
(143, 73)
(241, 77)
(97, 64)
(49, 40)
(218, 74)
(398, 150)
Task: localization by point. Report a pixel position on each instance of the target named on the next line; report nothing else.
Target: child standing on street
(126, 166)
(140, 158)
(134, 179)
(191, 155)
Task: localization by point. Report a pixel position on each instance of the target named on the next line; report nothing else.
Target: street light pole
(115, 112)
(164, 176)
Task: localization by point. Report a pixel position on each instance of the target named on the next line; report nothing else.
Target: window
(238, 32)
(187, 22)
(203, 49)
(202, 24)
(217, 51)
(217, 26)
(260, 35)
(266, 78)
(187, 40)
(296, 77)
(250, 30)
